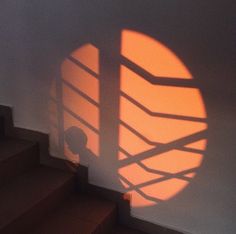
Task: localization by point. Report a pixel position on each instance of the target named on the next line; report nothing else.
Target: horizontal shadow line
(177, 82)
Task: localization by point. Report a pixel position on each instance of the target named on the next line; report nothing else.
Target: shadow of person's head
(76, 139)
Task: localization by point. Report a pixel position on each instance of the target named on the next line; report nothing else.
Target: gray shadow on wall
(108, 131)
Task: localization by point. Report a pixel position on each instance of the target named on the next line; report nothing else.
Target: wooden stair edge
(21, 161)
(124, 215)
(7, 120)
(87, 214)
(22, 217)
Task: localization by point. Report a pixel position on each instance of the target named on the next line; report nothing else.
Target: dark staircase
(39, 197)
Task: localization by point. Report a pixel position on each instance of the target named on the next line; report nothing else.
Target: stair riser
(2, 130)
(107, 225)
(32, 217)
(18, 164)
(7, 120)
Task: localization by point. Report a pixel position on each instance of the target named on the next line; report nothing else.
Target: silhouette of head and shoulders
(76, 141)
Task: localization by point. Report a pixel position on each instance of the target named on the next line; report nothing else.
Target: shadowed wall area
(141, 92)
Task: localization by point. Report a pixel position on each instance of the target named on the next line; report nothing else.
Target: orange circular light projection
(162, 120)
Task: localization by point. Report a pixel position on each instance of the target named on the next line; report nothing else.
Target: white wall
(35, 37)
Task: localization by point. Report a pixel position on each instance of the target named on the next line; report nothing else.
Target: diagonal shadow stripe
(150, 198)
(162, 115)
(190, 150)
(159, 180)
(163, 173)
(151, 182)
(76, 90)
(81, 65)
(178, 82)
(53, 99)
(80, 119)
(135, 132)
(158, 172)
(163, 148)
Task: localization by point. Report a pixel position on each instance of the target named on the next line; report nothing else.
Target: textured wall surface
(36, 37)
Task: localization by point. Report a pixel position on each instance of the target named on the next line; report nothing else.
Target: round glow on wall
(162, 125)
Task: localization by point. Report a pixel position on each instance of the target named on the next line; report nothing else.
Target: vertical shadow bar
(60, 112)
(109, 101)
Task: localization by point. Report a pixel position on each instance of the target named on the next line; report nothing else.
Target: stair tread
(10, 147)
(61, 224)
(124, 230)
(78, 214)
(23, 193)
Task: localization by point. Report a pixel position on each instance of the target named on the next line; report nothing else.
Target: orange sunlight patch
(80, 79)
(166, 189)
(81, 106)
(135, 174)
(157, 129)
(153, 115)
(161, 98)
(152, 56)
(173, 161)
(132, 143)
(200, 145)
(88, 55)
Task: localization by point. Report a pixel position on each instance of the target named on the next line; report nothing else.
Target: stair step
(16, 157)
(2, 130)
(25, 200)
(80, 214)
(124, 230)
